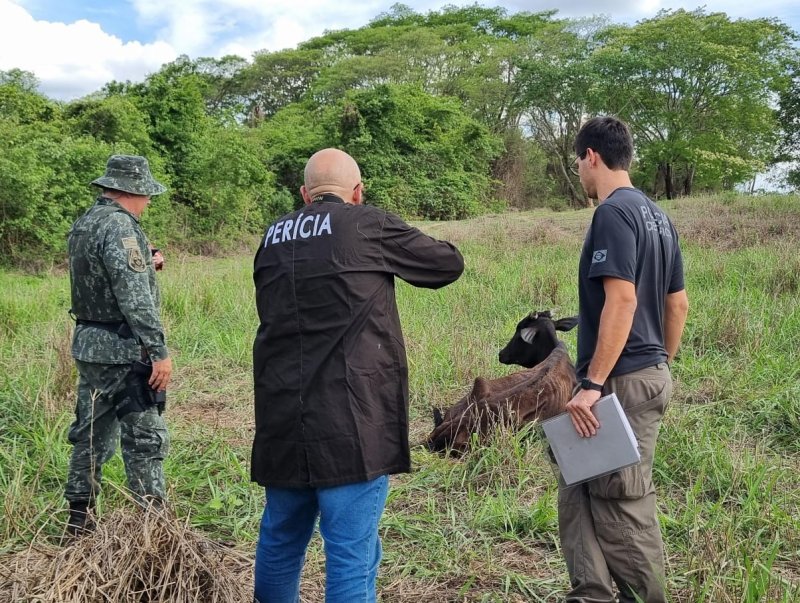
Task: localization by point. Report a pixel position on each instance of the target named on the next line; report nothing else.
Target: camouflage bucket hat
(130, 174)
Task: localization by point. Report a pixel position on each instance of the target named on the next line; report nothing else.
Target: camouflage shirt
(113, 280)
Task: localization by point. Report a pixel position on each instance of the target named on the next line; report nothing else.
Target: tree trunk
(688, 181)
(666, 170)
(576, 197)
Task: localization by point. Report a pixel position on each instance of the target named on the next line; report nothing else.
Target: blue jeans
(348, 523)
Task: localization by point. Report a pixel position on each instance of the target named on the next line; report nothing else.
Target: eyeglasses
(573, 167)
(363, 192)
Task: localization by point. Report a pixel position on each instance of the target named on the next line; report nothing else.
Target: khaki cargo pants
(608, 526)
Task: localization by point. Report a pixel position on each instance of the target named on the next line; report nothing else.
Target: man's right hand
(158, 259)
(580, 411)
(162, 371)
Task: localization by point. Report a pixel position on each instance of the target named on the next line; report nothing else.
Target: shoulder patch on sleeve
(136, 260)
(130, 243)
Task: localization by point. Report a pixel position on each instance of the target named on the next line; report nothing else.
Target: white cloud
(285, 33)
(72, 59)
(217, 27)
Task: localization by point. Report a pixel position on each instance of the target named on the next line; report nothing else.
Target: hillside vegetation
(450, 114)
(480, 528)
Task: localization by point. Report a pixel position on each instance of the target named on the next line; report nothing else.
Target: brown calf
(539, 392)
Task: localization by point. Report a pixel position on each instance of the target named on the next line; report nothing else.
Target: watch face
(588, 384)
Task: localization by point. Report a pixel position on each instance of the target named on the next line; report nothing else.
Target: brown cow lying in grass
(537, 393)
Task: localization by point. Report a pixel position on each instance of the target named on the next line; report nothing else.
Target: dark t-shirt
(632, 239)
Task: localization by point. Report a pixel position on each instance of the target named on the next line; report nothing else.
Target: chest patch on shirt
(136, 260)
(130, 243)
(599, 256)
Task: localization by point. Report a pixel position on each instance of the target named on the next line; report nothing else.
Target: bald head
(332, 171)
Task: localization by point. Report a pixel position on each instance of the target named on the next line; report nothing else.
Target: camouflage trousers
(102, 390)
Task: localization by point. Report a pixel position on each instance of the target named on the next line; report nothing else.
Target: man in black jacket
(331, 379)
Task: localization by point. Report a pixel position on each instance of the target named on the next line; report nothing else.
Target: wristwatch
(587, 383)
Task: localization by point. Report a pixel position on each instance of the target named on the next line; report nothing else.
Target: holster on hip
(139, 396)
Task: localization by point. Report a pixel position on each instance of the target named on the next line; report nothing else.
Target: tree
(421, 155)
(21, 102)
(225, 89)
(114, 119)
(226, 186)
(289, 138)
(556, 80)
(278, 79)
(471, 53)
(697, 90)
(789, 118)
(215, 170)
(44, 186)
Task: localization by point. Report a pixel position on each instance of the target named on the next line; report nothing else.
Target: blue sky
(116, 17)
(74, 47)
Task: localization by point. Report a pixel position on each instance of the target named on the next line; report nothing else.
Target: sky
(75, 47)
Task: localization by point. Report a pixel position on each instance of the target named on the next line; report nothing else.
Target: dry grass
(725, 226)
(215, 400)
(133, 555)
(478, 579)
(60, 396)
(479, 528)
(514, 230)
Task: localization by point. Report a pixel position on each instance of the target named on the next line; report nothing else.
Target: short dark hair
(608, 136)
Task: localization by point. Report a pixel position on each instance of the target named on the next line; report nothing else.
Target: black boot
(80, 520)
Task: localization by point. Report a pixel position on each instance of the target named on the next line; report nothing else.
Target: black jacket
(329, 362)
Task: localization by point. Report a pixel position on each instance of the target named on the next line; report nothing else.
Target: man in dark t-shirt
(633, 307)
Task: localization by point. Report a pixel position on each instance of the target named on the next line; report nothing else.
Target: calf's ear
(437, 417)
(528, 334)
(566, 324)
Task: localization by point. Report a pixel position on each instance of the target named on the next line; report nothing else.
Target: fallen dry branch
(133, 555)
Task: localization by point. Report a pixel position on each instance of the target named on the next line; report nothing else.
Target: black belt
(121, 328)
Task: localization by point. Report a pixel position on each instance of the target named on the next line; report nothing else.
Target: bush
(420, 155)
(44, 186)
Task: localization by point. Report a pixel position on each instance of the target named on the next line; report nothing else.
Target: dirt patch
(218, 399)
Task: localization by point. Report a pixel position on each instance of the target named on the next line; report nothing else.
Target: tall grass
(483, 527)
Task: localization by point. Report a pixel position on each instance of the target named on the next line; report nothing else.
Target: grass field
(482, 528)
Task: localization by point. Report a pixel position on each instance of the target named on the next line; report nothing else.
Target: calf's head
(534, 339)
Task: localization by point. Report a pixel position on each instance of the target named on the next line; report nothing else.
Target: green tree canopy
(20, 102)
(698, 90)
(789, 118)
(420, 155)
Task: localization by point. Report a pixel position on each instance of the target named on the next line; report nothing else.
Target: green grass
(484, 527)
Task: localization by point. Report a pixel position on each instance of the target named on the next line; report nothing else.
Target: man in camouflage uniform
(115, 301)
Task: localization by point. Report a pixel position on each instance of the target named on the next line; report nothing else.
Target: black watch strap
(587, 383)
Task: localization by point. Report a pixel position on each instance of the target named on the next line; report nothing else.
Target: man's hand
(580, 411)
(162, 371)
(158, 259)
